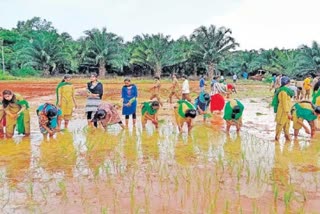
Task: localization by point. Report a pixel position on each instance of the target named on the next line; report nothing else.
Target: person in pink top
(107, 114)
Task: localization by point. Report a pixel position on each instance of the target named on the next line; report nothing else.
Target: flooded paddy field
(86, 170)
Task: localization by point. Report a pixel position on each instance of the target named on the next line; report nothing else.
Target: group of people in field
(304, 109)
(184, 111)
(14, 109)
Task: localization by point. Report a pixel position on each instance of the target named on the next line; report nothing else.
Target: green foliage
(26, 72)
(35, 45)
(210, 45)
(35, 24)
(310, 58)
(103, 48)
(6, 76)
(286, 61)
(157, 52)
(43, 52)
(267, 78)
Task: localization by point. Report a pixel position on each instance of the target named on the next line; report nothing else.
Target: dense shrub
(267, 78)
(25, 72)
(6, 76)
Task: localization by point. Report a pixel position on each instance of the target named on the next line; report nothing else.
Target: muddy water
(84, 170)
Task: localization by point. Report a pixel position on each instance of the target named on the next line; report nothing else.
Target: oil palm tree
(156, 52)
(43, 52)
(211, 44)
(287, 62)
(310, 57)
(103, 49)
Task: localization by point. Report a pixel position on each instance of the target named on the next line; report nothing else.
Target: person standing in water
(174, 88)
(282, 107)
(129, 94)
(233, 114)
(94, 96)
(185, 89)
(202, 84)
(156, 90)
(2, 118)
(202, 103)
(107, 114)
(16, 111)
(234, 78)
(307, 87)
(149, 111)
(185, 112)
(65, 99)
(316, 100)
(49, 117)
(301, 111)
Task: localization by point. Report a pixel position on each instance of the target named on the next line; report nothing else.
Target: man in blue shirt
(202, 83)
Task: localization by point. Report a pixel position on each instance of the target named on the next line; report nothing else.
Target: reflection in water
(259, 160)
(293, 161)
(15, 160)
(58, 155)
(101, 148)
(205, 170)
(296, 174)
(149, 145)
(232, 148)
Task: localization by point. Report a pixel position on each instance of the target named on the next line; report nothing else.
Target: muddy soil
(83, 170)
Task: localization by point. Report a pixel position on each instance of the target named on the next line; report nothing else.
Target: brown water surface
(85, 170)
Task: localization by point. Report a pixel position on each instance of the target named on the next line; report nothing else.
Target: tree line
(35, 47)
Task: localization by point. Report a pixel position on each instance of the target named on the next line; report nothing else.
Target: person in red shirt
(231, 88)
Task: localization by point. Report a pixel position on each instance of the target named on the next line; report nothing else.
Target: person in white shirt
(294, 88)
(185, 89)
(234, 78)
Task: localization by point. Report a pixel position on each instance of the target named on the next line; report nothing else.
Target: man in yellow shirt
(307, 87)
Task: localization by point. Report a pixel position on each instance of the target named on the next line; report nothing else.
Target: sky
(255, 24)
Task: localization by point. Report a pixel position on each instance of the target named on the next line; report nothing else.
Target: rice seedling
(161, 170)
(132, 196)
(104, 210)
(239, 172)
(30, 190)
(275, 190)
(44, 193)
(226, 207)
(176, 183)
(248, 175)
(115, 199)
(63, 189)
(287, 198)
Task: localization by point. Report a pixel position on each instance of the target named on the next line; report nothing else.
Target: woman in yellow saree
(16, 111)
(65, 99)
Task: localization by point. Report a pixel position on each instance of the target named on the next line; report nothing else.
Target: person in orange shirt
(156, 90)
(174, 88)
(307, 87)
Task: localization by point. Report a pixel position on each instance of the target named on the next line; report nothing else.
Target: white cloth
(185, 87)
(234, 77)
(294, 88)
(218, 88)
